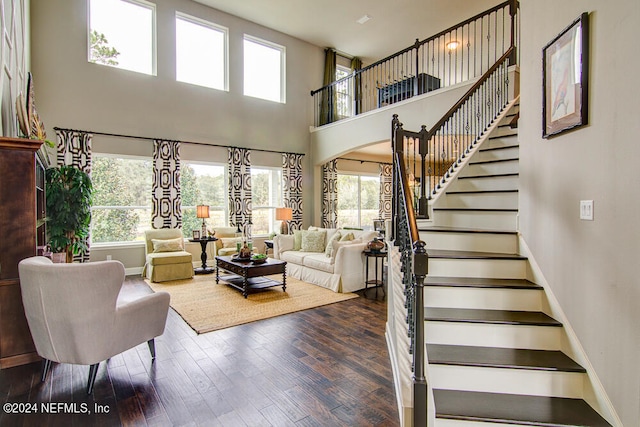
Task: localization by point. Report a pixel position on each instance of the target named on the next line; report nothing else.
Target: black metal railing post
(420, 271)
(423, 202)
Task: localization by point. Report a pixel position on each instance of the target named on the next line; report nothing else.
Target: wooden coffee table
(246, 276)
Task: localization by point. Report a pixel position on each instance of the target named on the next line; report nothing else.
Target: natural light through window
(264, 69)
(122, 34)
(201, 52)
(266, 196)
(202, 184)
(358, 200)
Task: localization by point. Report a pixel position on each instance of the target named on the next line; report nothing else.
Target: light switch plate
(586, 210)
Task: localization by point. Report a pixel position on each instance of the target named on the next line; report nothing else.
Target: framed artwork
(565, 76)
(196, 234)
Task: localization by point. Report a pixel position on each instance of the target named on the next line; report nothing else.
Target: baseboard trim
(133, 271)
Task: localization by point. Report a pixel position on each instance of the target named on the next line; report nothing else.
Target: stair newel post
(420, 271)
(423, 204)
(397, 149)
(513, 10)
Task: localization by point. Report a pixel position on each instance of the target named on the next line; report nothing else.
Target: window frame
(272, 214)
(225, 55)
(154, 36)
(347, 94)
(359, 175)
(283, 68)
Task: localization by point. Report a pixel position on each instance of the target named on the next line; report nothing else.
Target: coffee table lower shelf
(253, 283)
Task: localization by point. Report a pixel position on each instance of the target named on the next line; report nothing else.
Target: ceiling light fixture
(452, 45)
(363, 19)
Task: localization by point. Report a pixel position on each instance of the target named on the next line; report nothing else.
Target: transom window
(264, 70)
(121, 210)
(122, 34)
(266, 196)
(201, 52)
(202, 184)
(358, 200)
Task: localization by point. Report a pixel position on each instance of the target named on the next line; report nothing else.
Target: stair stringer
(457, 167)
(594, 392)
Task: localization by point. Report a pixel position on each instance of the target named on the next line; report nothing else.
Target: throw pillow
(230, 242)
(313, 241)
(346, 237)
(328, 251)
(169, 245)
(297, 240)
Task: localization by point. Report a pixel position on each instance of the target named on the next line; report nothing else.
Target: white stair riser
(493, 335)
(486, 184)
(440, 422)
(489, 268)
(504, 130)
(480, 201)
(504, 221)
(504, 380)
(505, 153)
(504, 141)
(478, 242)
(482, 169)
(483, 298)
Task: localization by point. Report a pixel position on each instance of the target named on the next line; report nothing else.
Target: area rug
(207, 306)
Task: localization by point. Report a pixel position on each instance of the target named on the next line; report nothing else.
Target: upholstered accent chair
(81, 314)
(226, 244)
(165, 257)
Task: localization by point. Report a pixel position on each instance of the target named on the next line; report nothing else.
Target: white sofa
(343, 271)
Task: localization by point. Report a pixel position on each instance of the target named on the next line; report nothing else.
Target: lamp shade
(202, 211)
(284, 214)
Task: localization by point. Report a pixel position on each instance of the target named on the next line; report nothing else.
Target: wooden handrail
(411, 216)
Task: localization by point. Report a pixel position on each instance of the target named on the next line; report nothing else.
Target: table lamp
(284, 215)
(202, 211)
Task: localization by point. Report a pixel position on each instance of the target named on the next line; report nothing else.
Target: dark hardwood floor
(327, 366)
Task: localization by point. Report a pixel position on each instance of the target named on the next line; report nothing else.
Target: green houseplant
(68, 191)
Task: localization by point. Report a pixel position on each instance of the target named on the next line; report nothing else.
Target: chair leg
(93, 371)
(152, 348)
(46, 365)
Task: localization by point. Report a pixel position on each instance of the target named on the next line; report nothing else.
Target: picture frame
(196, 234)
(565, 77)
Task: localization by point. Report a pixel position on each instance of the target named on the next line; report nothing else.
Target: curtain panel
(386, 191)
(330, 194)
(328, 107)
(74, 148)
(356, 64)
(166, 203)
(240, 189)
(292, 187)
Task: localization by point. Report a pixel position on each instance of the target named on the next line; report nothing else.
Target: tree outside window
(202, 184)
(358, 200)
(266, 196)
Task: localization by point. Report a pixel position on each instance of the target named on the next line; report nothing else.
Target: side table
(268, 244)
(203, 243)
(378, 280)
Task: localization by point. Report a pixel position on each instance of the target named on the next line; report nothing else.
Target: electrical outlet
(586, 210)
(108, 257)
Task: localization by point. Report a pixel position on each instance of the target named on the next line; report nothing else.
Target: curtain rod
(175, 140)
(363, 161)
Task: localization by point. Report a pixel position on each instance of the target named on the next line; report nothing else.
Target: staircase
(493, 354)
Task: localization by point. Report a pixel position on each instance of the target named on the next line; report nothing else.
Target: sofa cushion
(328, 250)
(294, 257)
(168, 245)
(313, 241)
(164, 258)
(318, 262)
(230, 242)
(330, 231)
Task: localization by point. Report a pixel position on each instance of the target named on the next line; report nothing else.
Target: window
(202, 184)
(201, 52)
(358, 200)
(344, 97)
(121, 210)
(122, 34)
(266, 196)
(264, 69)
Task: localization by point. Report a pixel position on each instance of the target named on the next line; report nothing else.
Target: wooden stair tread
(505, 147)
(500, 317)
(497, 357)
(480, 192)
(515, 409)
(444, 253)
(511, 135)
(495, 175)
(484, 162)
(481, 282)
(476, 209)
(445, 229)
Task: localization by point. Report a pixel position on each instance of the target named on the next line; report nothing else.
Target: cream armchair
(81, 314)
(165, 257)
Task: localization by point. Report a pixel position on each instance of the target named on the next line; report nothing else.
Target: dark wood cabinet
(21, 203)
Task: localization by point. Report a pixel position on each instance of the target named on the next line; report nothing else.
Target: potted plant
(68, 202)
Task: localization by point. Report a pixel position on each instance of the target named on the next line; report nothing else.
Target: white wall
(73, 93)
(591, 266)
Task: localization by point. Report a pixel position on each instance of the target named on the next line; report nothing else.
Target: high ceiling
(393, 24)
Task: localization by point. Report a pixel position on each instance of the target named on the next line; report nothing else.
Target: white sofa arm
(281, 243)
(349, 264)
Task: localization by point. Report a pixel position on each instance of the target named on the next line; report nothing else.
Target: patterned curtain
(330, 194)
(292, 187)
(165, 198)
(240, 189)
(386, 191)
(74, 148)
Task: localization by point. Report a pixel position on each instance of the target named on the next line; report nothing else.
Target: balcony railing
(458, 54)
